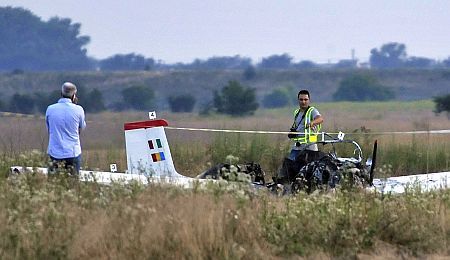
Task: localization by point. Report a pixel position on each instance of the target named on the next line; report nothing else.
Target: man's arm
(82, 120)
(317, 121)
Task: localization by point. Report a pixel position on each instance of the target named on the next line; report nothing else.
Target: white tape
(446, 131)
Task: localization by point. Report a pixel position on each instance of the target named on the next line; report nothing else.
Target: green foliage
(43, 100)
(419, 62)
(127, 62)
(446, 62)
(224, 62)
(362, 88)
(249, 73)
(93, 101)
(235, 100)
(54, 218)
(280, 97)
(305, 64)
(23, 104)
(182, 103)
(442, 104)
(28, 43)
(138, 97)
(282, 61)
(416, 157)
(348, 223)
(390, 55)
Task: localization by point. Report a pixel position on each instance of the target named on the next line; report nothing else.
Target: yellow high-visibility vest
(309, 135)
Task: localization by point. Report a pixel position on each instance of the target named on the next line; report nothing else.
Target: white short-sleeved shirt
(64, 119)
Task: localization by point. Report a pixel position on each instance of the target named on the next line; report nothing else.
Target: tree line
(31, 44)
(233, 99)
(137, 97)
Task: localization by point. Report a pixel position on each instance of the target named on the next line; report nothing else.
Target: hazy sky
(318, 30)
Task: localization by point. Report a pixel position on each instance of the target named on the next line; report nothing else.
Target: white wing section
(114, 177)
(426, 182)
(395, 185)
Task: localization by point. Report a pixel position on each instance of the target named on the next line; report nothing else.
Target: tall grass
(53, 218)
(194, 152)
(58, 217)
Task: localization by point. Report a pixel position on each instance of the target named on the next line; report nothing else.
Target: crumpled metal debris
(248, 172)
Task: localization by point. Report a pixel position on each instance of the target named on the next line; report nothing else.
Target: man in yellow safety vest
(304, 131)
(307, 123)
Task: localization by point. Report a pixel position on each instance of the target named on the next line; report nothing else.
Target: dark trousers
(291, 167)
(72, 165)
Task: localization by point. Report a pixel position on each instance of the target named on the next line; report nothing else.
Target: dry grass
(58, 218)
(103, 140)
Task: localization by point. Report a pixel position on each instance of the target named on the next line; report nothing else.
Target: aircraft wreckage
(149, 161)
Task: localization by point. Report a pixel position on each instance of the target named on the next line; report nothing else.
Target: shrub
(93, 101)
(278, 98)
(362, 88)
(21, 104)
(442, 104)
(249, 73)
(138, 97)
(235, 100)
(43, 100)
(182, 103)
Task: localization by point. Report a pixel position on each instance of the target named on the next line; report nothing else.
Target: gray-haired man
(65, 119)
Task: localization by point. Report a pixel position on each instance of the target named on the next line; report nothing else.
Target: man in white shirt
(65, 120)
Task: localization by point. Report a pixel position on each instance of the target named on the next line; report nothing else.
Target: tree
(138, 97)
(305, 64)
(224, 62)
(182, 103)
(129, 61)
(345, 64)
(446, 62)
(28, 43)
(362, 88)
(249, 73)
(93, 101)
(419, 62)
(277, 98)
(2, 105)
(276, 62)
(391, 55)
(235, 100)
(23, 104)
(216, 62)
(43, 100)
(442, 104)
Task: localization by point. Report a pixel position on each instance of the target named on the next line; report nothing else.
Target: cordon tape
(446, 131)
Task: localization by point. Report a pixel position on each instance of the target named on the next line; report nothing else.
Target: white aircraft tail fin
(147, 149)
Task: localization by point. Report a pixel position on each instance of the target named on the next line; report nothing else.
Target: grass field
(193, 152)
(60, 218)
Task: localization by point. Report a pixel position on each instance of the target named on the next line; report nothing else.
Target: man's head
(68, 90)
(303, 98)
